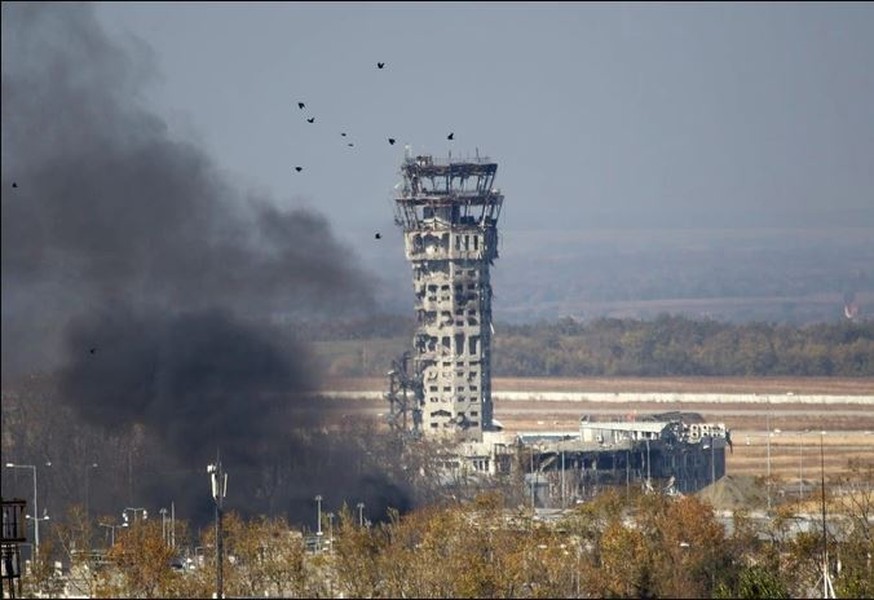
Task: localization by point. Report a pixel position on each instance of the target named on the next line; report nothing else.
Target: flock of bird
(391, 140)
(311, 119)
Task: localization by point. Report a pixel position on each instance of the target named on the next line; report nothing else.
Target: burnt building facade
(449, 211)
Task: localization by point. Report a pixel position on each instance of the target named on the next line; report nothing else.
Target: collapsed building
(662, 453)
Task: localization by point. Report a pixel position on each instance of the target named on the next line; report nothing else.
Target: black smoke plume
(132, 264)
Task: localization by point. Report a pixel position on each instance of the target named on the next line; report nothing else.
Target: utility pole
(768, 424)
(827, 588)
(219, 482)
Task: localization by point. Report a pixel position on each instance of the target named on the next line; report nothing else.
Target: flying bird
(350, 144)
(301, 105)
(15, 185)
(391, 141)
(378, 236)
(298, 169)
(451, 136)
(93, 350)
(380, 65)
(311, 120)
(342, 134)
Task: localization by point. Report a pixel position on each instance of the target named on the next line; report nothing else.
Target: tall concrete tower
(449, 213)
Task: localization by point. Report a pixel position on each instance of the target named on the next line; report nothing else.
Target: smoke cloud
(131, 263)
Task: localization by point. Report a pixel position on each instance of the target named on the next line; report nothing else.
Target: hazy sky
(599, 115)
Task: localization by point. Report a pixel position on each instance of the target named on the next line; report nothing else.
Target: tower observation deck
(449, 213)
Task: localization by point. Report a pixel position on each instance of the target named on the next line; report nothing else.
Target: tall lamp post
(163, 512)
(827, 587)
(768, 443)
(112, 529)
(219, 482)
(36, 518)
(360, 507)
(318, 500)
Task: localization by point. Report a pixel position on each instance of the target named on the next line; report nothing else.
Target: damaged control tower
(449, 213)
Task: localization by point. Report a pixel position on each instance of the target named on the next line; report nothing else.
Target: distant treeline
(665, 346)
(676, 346)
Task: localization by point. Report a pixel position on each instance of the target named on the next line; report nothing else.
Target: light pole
(112, 529)
(219, 482)
(768, 443)
(163, 512)
(712, 461)
(318, 500)
(827, 588)
(36, 519)
(331, 529)
(532, 478)
(319, 517)
(360, 514)
(648, 471)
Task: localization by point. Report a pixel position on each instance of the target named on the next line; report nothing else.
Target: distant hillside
(772, 275)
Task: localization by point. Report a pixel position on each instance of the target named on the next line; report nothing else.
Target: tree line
(678, 346)
(667, 346)
(617, 545)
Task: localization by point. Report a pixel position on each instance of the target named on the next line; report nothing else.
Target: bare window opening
(474, 413)
(474, 423)
(476, 242)
(473, 388)
(447, 388)
(474, 344)
(446, 342)
(459, 343)
(433, 426)
(433, 388)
